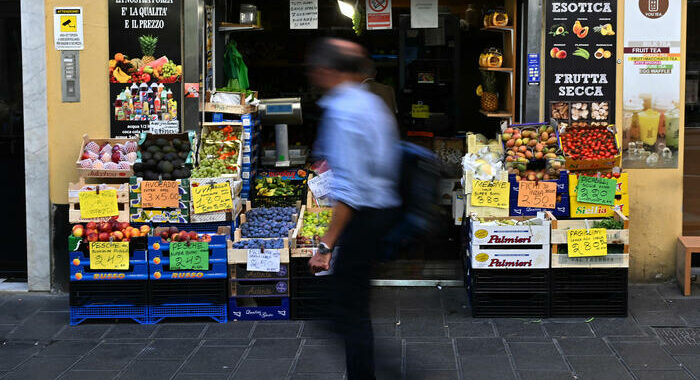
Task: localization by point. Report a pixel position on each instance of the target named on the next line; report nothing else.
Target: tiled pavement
(421, 333)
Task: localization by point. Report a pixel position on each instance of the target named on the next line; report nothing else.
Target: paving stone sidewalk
(421, 334)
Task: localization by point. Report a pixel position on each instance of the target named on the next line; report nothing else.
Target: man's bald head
(337, 54)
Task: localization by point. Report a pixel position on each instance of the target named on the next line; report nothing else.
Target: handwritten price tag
(94, 205)
(596, 190)
(320, 185)
(160, 194)
(267, 261)
(537, 194)
(420, 111)
(587, 243)
(490, 193)
(109, 255)
(208, 198)
(194, 256)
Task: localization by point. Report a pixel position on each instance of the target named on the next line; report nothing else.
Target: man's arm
(342, 214)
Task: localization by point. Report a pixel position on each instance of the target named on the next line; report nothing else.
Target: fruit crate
(582, 292)
(480, 210)
(614, 237)
(520, 247)
(303, 248)
(602, 163)
(258, 308)
(237, 143)
(510, 305)
(238, 235)
(79, 314)
(239, 271)
(259, 288)
(189, 136)
(473, 146)
(561, 208)
(80, 268)
(307, 285)
(245, 283)
(239, 256)
(86, 293)
(591, 210)
(241, 108)
(159, 261)
(139, 214)
(211, 228)
(267, 181)
(188, 299)
(508, 280)
(74, 190)
(102, 173)
(217, 216)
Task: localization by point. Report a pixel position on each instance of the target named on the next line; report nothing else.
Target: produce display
(172, 234)
(588, 143)
(491, 57)
(488, 91)
(276, 187)
(272, 222)
(315, 225)
(259, 243)
(108, 157)
(609, 224)
(110, 230)
(144, 69)
(524, 146)
(219, 153)
(163, 159)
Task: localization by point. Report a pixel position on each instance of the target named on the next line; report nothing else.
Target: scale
(281, 112)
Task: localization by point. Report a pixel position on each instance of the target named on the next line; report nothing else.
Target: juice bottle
(649, 126)
(671, 121)
(630, 120)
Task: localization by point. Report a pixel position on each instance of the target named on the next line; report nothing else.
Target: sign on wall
(145, 65)
(68, 28)
(303, 14)
(652, 80)
(580, 62)
(378, 14)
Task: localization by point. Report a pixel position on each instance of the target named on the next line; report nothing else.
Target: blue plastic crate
(79, 314)
(276, 308)
(159, 261)
(215, 312)
(80, 269)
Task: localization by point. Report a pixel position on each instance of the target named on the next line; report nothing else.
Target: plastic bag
(235, 70)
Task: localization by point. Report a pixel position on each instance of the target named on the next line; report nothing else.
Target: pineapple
(148, 47)
(489, 93)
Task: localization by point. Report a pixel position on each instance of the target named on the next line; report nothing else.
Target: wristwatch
(323, 249)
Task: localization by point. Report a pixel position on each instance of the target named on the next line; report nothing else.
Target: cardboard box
(509, 247)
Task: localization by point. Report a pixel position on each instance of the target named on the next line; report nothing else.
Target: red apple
(85, 156)
(91, 226)
(184, 236)
(172, 230)
(114, 225)
(92, 236)
(116, 157)
(104, 236)
(193, 235)
(175, 237)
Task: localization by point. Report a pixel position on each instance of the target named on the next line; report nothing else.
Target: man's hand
(319, 263)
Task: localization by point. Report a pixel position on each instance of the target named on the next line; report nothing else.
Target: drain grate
(679, 336)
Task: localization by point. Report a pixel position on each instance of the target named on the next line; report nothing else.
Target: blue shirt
(359, 138)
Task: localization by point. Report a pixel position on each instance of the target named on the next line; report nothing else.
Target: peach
(118, 235)
(91, 226)
(193, 235)
(134, 233)
(145, 229)
(92, 236)
(78, 232)
(103, 236)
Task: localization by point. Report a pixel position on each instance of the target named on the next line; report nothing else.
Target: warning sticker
(68, 28)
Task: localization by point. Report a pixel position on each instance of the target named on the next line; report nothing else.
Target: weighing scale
(281, 113)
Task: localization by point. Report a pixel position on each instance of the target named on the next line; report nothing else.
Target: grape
(219, 153)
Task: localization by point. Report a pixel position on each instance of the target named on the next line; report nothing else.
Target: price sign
(587, 243)
(214, 197)
(420, 111)
(596, 190)
(194, 256)
(490, 193)
(537, 194)
(160, 194)
(98, 205)
(109, 255)
(263, 261)
(320, 185)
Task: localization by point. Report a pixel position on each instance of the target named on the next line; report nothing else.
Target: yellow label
(420, 111)
(587, 243)
(481, 257)
(109, 255)
(94, 205)
(490, 193)
(69, 23)
(480, 234)
(209, 198)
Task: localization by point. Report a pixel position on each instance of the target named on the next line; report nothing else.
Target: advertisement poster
(378, 14)
(145, 65)
(580, 63)
(652, 93)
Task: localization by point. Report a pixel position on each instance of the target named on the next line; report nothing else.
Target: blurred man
(385, 92)
(359, 139)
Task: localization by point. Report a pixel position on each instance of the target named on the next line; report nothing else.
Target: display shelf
(498, 69)
(499, 114)
(507, 28)
(230, 27)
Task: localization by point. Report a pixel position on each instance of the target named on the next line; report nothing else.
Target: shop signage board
(424, 14)
(580, 62)
(189, 255)
(68, 28)
(303, 14)
(145, 72)
(587, 242)
(378, 14)
(652, 83)
(109, 255)
(596, 190)
(100, 204)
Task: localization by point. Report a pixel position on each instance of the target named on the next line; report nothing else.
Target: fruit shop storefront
(463, 80)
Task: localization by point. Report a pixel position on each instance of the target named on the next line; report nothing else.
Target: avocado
(149, 175)
(150, 164)
(138, 167)
(177, 163)
(168, 149)
(183, 155)
(185, 147)
(165, 166)
(161, 142)
(170, 157)
(167, 176)
(145, 156)
(153, 149)
(177, 173)
(158, 156)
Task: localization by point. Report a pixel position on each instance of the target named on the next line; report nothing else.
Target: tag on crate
(212, 197)
(420, 111)
(263, 261)
(596, 190)
(160, 194)
(192, 256)
(490, 193)
(320, 185)
(537, 194)
(98, 205)
(587, 242)
(109, 255)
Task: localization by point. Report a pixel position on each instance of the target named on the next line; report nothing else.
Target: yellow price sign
(420, 111)
(98, 205)
(214, 197)
(587, 242)
(490, 193)
(109, 255)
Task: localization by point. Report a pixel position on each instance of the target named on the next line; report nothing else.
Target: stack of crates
(187, 293)
(108, 294)
(251, 149)
(310, 293)
(508, 269)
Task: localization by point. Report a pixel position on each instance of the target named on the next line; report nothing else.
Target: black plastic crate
(588, 304)
(310, 308)
(509, 280)
(276, 201)
(319, 287)
(589, 280)
(509, 305)
(133, 293)
(207, 291)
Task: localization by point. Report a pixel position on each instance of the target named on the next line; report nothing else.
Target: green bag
(235, 70)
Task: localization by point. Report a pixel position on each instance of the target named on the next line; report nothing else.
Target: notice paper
(210, 198)
(424, 13)
(587, 242)
(303, 14)
(98, 205)
(107, 255)
(537, 194)
(160, 194)
(320, 185)
(596, 190)
(490, 193)
(263, 261)
(189, 255)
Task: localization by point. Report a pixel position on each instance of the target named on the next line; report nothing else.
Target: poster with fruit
(580, 63)
(145, 66)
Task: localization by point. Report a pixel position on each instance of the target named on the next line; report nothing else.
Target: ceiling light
(347, 9)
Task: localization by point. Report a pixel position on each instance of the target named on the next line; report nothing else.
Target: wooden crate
(102, 173)
(237, 109)
(479, 210)
(74, 201)
(238, 126)
(217, 216)
(613, 260)
(474, 147)
(240, 256)
(307, 250)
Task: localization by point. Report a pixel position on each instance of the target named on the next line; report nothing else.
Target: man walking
(359, 140)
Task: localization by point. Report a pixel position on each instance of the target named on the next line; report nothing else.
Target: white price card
(320, 185)
(263, 261)
(163, 127)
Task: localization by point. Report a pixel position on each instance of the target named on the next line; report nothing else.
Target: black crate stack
(310, 293)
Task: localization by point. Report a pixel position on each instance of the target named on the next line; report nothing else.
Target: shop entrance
(13, 259)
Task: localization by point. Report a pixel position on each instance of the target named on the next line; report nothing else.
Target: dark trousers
(360, 242)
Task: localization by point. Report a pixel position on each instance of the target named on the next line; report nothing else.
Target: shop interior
(466, 72)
